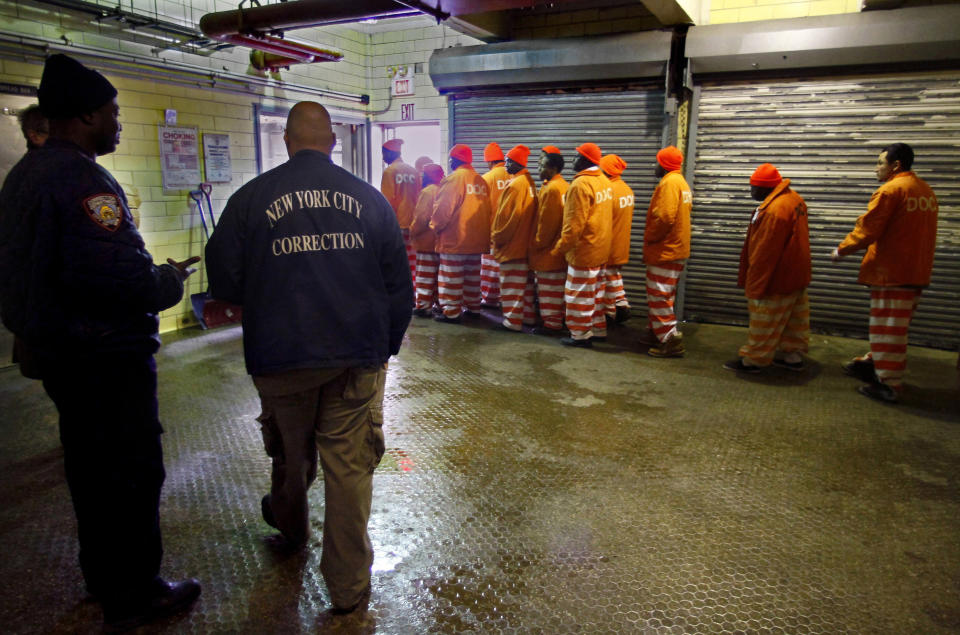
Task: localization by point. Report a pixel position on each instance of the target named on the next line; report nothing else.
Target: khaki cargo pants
(338, 411)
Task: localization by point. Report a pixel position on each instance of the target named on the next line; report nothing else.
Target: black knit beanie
(70, 89)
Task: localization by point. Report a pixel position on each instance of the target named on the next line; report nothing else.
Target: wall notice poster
(179, 157)
(216, 157)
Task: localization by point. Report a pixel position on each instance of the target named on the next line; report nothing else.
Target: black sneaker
(424, 313)
(447, 320)
(569, 341)
(503, 327)
(543, 330)
(738, 366)
(796, 367)
(163, 600)
(880, 392)
(267, 512)
(623, 314)
(862, 370)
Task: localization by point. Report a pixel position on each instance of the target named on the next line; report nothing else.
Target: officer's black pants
(110, 432)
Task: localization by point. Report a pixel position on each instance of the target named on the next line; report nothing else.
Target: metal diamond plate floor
(531, 488)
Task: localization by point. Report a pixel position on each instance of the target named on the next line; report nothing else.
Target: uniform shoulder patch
(104, 210)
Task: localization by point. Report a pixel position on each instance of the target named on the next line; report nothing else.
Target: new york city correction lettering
(314, 199)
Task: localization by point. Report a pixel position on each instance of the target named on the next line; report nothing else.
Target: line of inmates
(499, 240)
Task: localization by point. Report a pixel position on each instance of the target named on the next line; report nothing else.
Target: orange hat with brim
(492, 152)
(520, 154)
(434, 172)
(551, 149)
(591, 152)
(422, 161)
(766, 176)
(670, 158)
(613, 165)
(393, 145)
(462, 152)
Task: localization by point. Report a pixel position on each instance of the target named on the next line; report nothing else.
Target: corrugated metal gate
(824, 135)
(627, 123)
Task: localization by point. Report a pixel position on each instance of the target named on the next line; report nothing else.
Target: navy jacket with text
(315, 257)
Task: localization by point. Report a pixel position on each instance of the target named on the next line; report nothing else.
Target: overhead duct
(919, 34)
(553, 62)
(257, 27)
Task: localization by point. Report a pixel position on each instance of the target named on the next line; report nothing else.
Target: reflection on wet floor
(531, 488)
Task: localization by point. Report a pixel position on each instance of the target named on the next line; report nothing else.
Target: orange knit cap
(766, 176)
(551, 149)
(422, 161)
(393, 145)
(670, 158)
(462, 152)
(613, 165)
(434, 172)
(519, 154)
(591, 152)
(492, 152)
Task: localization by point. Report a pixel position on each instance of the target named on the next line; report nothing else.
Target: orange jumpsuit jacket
(667, 235)
(899, 231)
(422, 238)
(775, 259)
(461, 213)
(547, 226)
(622, 222)
(497, 179)
(400, 185)
(587, 220)
(513, 222)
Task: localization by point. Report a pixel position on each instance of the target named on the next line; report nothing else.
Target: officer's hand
(184, 267)
(835, 256)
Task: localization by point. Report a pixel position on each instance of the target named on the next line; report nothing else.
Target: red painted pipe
(298, 53)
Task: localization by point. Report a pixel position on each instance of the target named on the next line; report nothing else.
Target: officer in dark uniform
(82, 293)
(316, 258)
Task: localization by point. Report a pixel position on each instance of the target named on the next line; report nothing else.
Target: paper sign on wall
(216, 157)
(179, 157)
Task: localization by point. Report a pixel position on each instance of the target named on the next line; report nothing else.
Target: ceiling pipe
(299, 14)
(293, 51)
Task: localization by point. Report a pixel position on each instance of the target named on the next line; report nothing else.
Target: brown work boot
(673, 347)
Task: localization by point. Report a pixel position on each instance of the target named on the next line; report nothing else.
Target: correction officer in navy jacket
(316, 258)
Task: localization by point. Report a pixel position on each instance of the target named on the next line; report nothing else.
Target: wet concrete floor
(532, 488)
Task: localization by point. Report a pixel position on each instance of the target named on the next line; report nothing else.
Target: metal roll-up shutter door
(626, 123)
(824, 135)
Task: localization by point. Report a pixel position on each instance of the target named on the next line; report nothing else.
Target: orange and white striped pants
(489, 279)
(613, 294)
(550, 294)
(891, 309)
(427, 265)
(583, 294)
(661, 294)
(777, 323)
(458, 283)
(516, 294)
(411, 255)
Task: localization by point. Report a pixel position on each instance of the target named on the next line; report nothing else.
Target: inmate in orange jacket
(547, 226)
(900, 233)
(497, 179)
(667, 235)
(622, 222)
(422, 238)
(587, 220)
(513, 222)
(400, 185)
(461, 213)
(775, 259)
